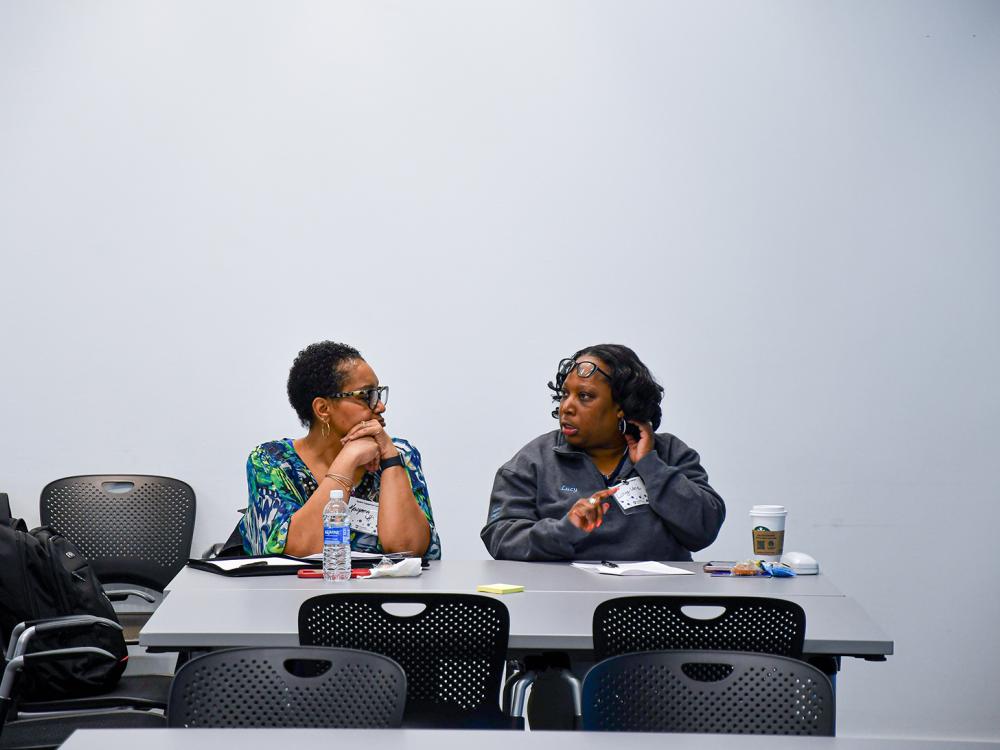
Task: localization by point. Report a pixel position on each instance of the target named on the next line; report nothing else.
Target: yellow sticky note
(499, 588)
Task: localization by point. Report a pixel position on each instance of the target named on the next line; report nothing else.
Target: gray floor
(142, 662)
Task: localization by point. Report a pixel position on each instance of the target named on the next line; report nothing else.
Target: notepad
(264, 565)
(649, 568)
(499, 588)
(264, 562)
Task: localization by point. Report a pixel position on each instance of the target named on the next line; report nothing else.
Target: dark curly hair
(317, 371)
(633, 386)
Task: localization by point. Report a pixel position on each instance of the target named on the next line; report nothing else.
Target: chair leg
(519, 694)
(574, 685)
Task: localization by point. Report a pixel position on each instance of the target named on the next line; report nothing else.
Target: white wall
(788, 209)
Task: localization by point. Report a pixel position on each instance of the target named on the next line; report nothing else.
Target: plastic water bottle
(336, 539)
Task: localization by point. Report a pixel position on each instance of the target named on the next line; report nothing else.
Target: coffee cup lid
(768, 510)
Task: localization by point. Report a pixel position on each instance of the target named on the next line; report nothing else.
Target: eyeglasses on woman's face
(584, 368)
(371, 396)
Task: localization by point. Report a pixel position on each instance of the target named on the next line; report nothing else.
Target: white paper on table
(403, 569)
(270, 562)
(648, 568)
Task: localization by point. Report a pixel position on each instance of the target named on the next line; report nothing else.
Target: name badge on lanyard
(631, 495)
(362, 515)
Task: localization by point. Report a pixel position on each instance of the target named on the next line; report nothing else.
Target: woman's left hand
(375, 429)
(639, 449)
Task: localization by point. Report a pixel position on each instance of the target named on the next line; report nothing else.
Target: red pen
(317, 573)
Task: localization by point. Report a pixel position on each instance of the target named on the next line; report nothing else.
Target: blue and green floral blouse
(280, 483)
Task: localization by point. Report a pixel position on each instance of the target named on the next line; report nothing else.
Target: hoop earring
(622, 425)
(326, 429)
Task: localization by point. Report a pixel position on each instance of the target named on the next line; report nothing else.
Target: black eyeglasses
(584, 368)
(371, 395)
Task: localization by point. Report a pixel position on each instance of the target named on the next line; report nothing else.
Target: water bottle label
(336, 535)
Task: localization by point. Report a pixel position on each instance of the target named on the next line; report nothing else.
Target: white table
(447, 739)
(205, 611)
(465, 575)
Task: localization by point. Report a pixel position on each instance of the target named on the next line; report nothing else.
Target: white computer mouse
(801, 563)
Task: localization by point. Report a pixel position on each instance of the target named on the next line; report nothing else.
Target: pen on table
(609, 564)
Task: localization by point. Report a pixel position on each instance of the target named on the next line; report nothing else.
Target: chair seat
(147, 691)
(50, 732)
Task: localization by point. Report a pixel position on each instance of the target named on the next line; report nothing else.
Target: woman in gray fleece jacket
(604, 486)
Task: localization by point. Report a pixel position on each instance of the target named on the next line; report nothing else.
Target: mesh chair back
(659, 623)
(132, 528)
(288, 687)
(452, 651)
(708, 691)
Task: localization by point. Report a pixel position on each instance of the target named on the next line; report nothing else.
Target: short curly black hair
(317, 371)
(633, 386)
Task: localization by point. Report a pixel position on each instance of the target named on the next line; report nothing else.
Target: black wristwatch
(388, 463)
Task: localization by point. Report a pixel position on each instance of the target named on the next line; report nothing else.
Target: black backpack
(43, 574)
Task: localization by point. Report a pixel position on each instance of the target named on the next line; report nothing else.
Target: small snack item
(747, 568)
(777, 569)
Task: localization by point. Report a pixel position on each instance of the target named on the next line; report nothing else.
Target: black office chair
(42, 731)
(659, 623)
(452, 650)
(288, 687)
(135, 530)
(726, 692)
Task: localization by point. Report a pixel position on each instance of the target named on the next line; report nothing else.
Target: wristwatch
(388, 463)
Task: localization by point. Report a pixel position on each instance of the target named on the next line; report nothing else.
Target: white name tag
(631, 494)
(363, 515)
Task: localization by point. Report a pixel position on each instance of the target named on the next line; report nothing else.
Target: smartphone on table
(719, 566)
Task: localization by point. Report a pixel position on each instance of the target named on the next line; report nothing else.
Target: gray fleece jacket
(535, 489)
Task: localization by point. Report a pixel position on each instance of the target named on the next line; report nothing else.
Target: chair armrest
(23, 632)
(120, 595)
(18, 663)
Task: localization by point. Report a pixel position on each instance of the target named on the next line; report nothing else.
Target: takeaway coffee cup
(768, 524)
